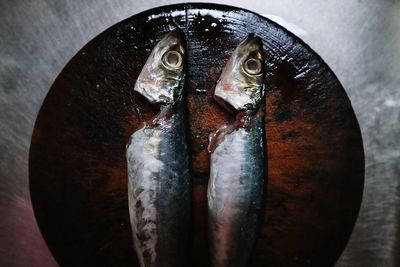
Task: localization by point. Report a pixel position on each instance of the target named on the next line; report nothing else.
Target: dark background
(358, 39)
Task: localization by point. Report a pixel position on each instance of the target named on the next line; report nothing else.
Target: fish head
(162, 76)
(241, 82)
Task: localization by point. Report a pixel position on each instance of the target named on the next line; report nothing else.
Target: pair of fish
(159, 185)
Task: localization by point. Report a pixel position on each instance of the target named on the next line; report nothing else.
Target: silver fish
(158, 162)
(237, 171)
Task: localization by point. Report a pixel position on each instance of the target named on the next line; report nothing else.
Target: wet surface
(77, 159)
(358, 39)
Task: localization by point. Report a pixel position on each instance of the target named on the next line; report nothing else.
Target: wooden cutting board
(315, 158)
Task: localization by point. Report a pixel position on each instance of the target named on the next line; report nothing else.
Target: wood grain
(315, 157)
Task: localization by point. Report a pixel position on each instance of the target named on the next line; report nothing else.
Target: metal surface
(313, 146)
(358, 39)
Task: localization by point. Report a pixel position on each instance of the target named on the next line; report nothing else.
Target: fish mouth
(176, 33)
(164, 69)
(251, 42)
(241, 79)
(175, 40)
(250, 46)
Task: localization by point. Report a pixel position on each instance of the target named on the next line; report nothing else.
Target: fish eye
(172, 59)
(252, 66)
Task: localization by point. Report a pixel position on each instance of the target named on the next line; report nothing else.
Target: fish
(235, 193)
(159, 186)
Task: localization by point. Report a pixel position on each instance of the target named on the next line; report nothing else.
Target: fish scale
(235, 194)
(158, 162)
(237, 159)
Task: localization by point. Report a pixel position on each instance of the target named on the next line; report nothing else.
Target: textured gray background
(359, 39)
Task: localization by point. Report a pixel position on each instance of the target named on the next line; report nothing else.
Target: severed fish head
(241, 82)
(162, 77)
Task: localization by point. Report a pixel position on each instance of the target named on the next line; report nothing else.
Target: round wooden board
(315, 162)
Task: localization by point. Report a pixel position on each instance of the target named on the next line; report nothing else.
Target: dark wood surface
(78, 176)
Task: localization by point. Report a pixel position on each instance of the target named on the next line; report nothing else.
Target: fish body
(237, 162)
(158, 163)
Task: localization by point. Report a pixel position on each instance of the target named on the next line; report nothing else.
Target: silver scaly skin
(237, 172)
(158, 162)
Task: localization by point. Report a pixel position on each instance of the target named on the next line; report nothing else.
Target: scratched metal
(358, 39)
(314, 149)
